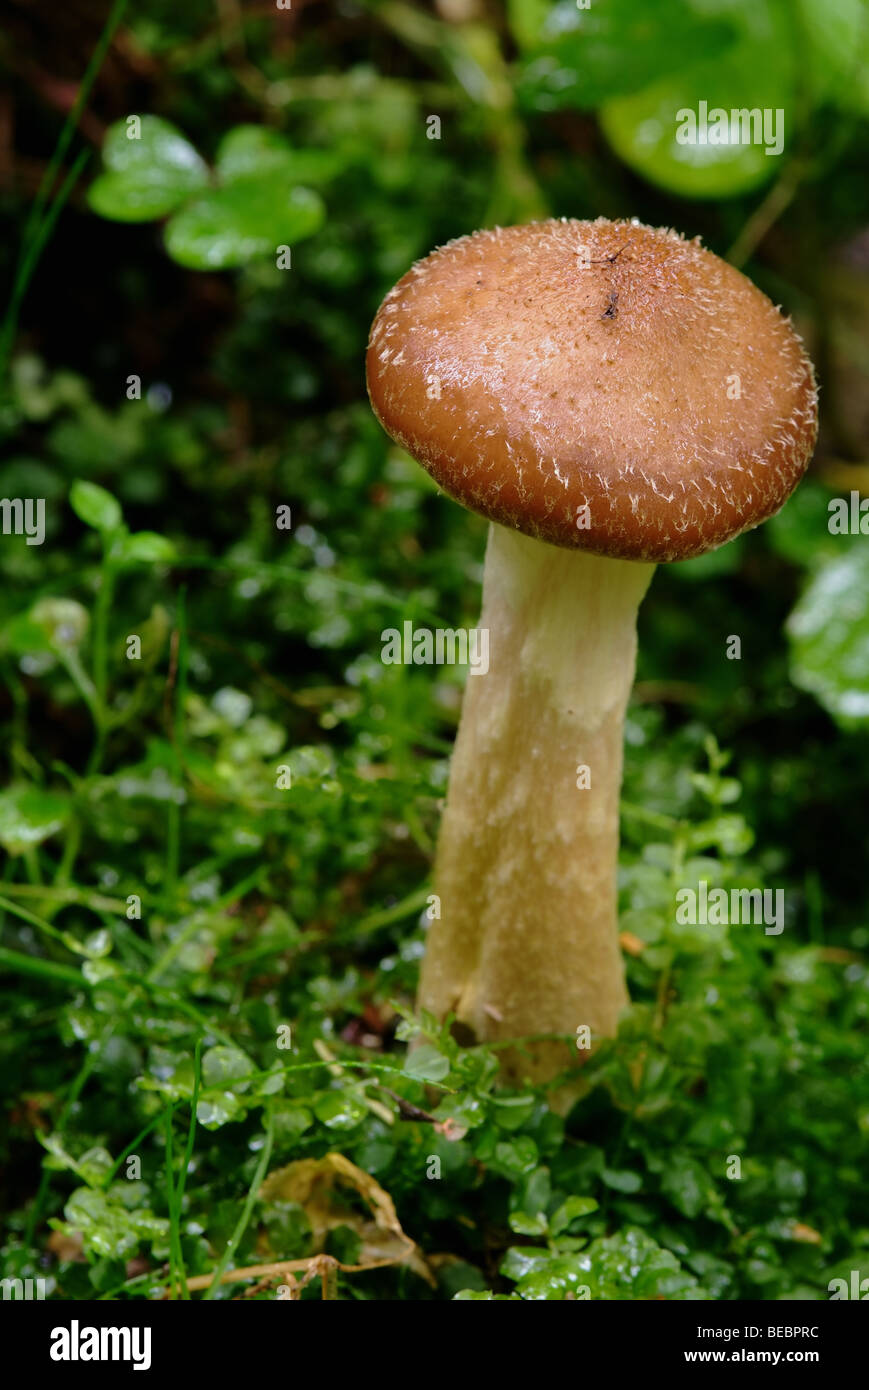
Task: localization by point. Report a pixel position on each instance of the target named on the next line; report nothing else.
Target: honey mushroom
(610, 396)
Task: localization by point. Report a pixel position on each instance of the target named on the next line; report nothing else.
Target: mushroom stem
(527, 939)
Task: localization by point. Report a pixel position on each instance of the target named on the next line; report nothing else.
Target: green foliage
(584, 56)
(28, 816)
(829, 631)
(255, 202)
(148, 172)
(629, 1265)
(256, 923)
(642, 127)
(640, 66)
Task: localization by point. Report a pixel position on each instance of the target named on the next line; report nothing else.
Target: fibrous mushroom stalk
(527, 938)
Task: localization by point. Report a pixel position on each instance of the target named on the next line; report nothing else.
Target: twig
(767, 213)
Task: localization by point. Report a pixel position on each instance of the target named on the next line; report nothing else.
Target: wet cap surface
(601, 373)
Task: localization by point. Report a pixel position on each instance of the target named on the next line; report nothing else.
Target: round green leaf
(829, 636)
(754, 74)
(337, 1110)
(245, 221)
(254, 150)
(427, 1063)
(148, 175)
(571, 1210)
(28, 816)
(521, 1261)
(466, 1111)
(512, 1112)
(517, 1156)
(249, 149)
(218, 1108)
(226, 1066)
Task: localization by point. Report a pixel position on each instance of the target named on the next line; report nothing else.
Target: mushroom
(610, 396)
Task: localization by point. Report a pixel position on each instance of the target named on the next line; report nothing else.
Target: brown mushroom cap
(601, 373)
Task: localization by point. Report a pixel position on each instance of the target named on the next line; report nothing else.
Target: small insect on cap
(601, 385)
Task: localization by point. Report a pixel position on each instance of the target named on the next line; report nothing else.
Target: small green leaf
(571, 1210)
(218, 1108)
(621, 1180)
(255, 150)
(526, 1225)
(245, 221)
(521, 1261)
(291, 1120)
(466, 1111)
(687, 1185)
(249, 149)
(512, 1112)
(517, 1156)
(148, 176)
(95, 507)
(273, 1084)
(28, 816)
(144, 548)
(532, 1195)
(545, 1276)
(337, 1110)
(108, 1228)
(631, 1265)
(94, 1166)
(223, 1066)
(728, 833)
(427, 1063)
